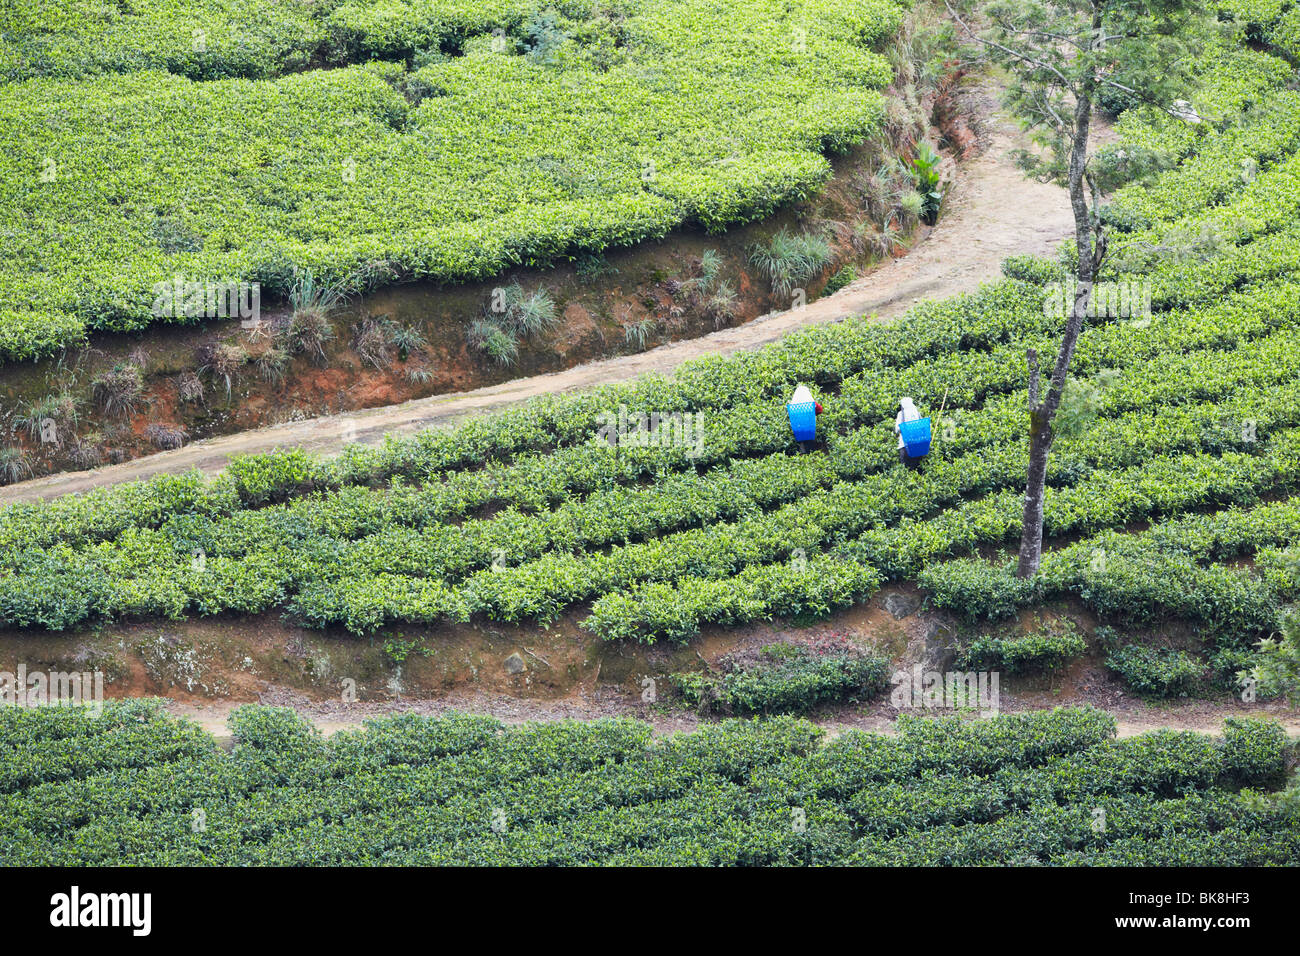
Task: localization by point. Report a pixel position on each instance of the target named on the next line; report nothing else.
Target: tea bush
(457, 169)
(1046, 649)
(788, 679)
(123, 789)
(530, 514)
(1158, 672)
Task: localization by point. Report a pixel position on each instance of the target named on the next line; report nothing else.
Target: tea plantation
(135, 786)
(452, 141)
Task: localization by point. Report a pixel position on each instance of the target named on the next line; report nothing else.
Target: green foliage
(1278, 667)
(525, 313)
(1254, 752)
(788, 260)
(525, 152)
(543, 36)
(638, 333)
(1033, 269)
(14, 465)
(839, 280)
(1056, 58)
(513, 314)
(269, 728)
(926, 176)
(1198, 424)
(1046, 649)
(976, 589)
(1080, 402)
(788, 679)
(1158, 672)
(665, 540)
(201, 39)
(61, 408)
(122, 789)
(399, 648)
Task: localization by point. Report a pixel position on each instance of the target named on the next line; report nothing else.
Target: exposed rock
(901, 605)
(940, 645)
(515, 664)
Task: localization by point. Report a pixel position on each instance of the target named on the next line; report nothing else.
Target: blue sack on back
(803, 420)
(916, 437)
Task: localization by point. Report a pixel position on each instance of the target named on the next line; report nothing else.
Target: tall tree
(1063, 56)
(1278, 669)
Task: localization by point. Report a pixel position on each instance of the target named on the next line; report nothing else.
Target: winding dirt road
(992, 212)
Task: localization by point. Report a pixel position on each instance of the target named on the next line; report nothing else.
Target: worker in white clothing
(803, 410)
(906, 413)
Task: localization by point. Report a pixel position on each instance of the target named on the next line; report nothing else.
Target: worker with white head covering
(803, 424)
(906, 413)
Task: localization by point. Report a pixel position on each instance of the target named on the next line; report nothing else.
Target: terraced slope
(134, 786)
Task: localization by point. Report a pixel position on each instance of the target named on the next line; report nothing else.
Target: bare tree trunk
(1042, 413)
(1031, 528)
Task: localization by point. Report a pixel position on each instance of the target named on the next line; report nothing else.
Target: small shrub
(912, 205)
(272, 729)
(84, 452)
(1157, 672)
(710, 265)
(118, 392)
(1227, 666)
(399, 648)
(501, 346)
(592, 266)
(840, 280)
(927, 172)
(418, 373)
(543, 37)
(189, 387)
(511, 315)
(789, 260)
(875, 190)
(1122, 219)
(308, 328)
(977, 589)
(223, 361)
(706, 287)
(164, 436)
(139, 357)
(524, 313)
(273, 365)
(407, 339)
(1033, 269)
(13, 466)
(721, 304)
(638, 333)
(1047, 649)
(535, 313)
(275, 476)
(788, 679)
(370, 339)
(883, 241)
(1254, 752)
(306, 333)
(62, 409)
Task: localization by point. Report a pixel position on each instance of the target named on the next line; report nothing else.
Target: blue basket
(803, 420)
(916, 437)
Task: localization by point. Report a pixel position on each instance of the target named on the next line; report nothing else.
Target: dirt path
(992, 212)
(329, 719)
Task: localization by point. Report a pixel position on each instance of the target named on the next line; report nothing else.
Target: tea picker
(803, 412)
(913, 434)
